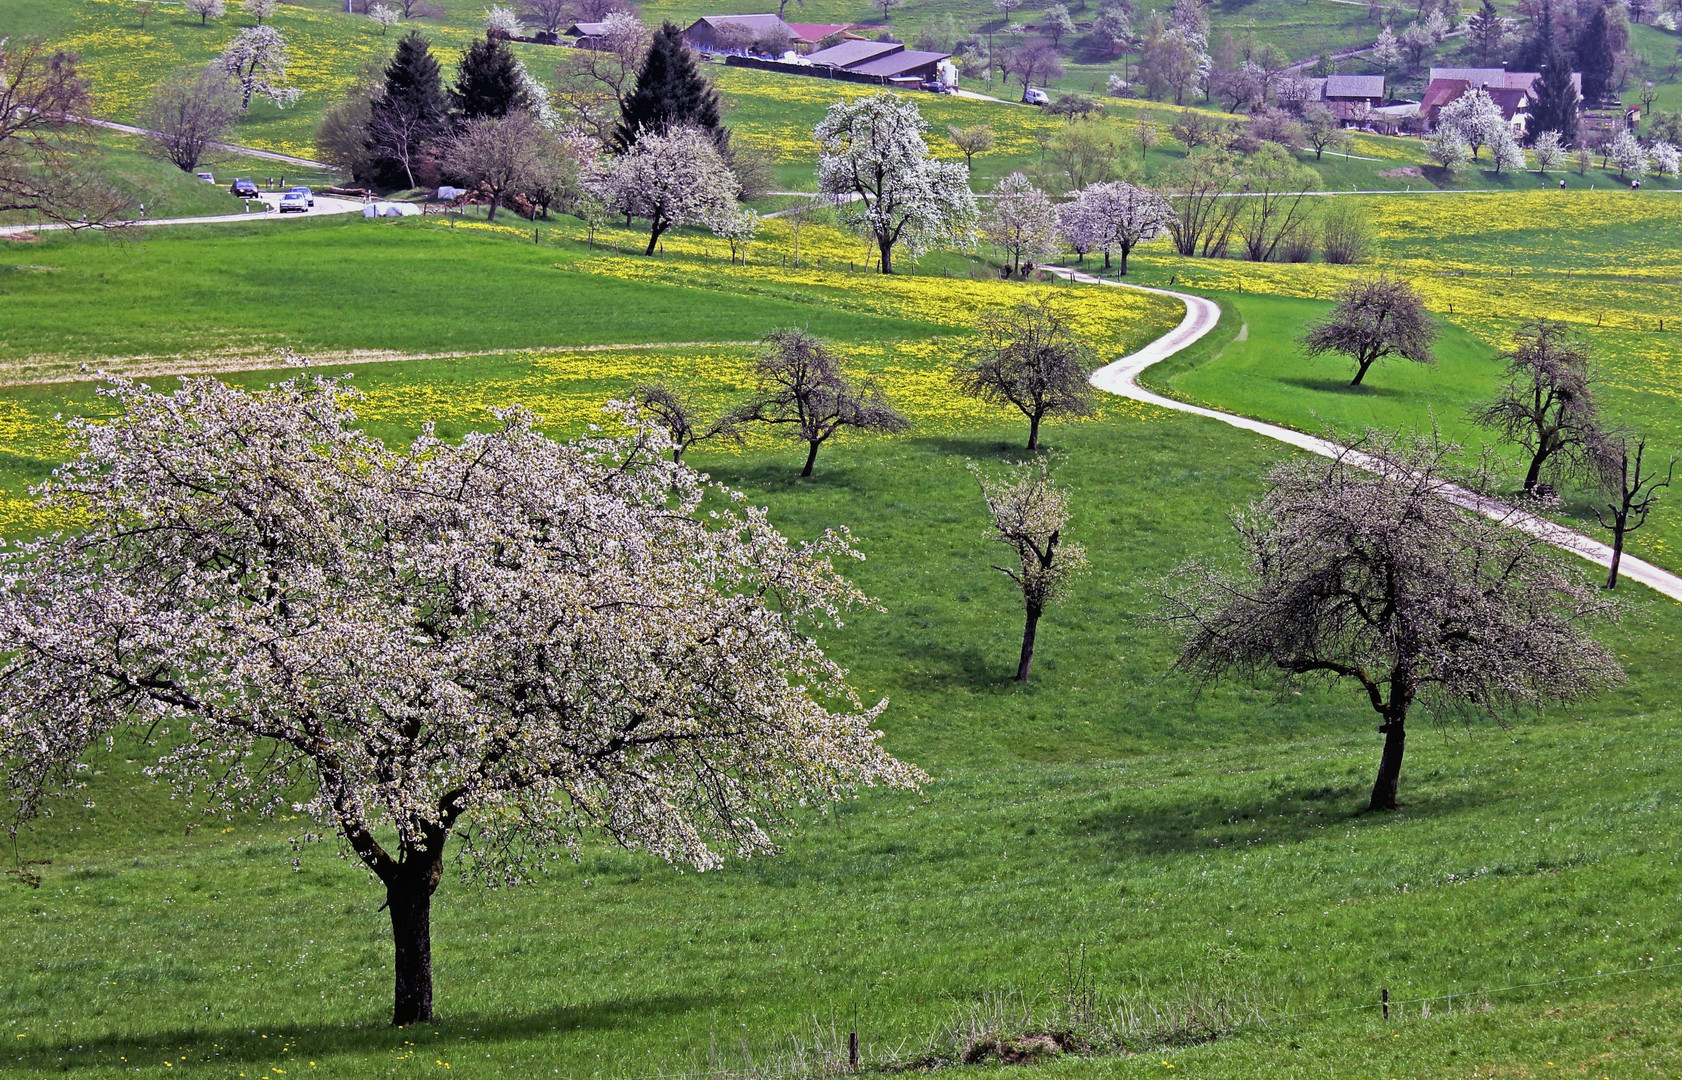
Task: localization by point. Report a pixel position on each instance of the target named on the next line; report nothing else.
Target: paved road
(267, 155)
(263, 208)
(1121, 377)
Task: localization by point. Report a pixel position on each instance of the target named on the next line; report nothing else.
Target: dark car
(245, 189)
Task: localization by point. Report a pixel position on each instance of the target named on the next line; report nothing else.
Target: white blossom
(1476, 118)
(385, 17)
(1550, 151)
(1628, 154)
(1020, 221)
(1506, 151)
(873, 150)
(257, 58)
(1111, 217)
(1387, 52)
(260, 9)
(502, 20)
(206, 9)
(1448, 148)
(671, 179)
(1666, 158)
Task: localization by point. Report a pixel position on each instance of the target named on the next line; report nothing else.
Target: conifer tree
(1556, 100)
(411, 111)
(488, 82)
(1596, 57)
(670, 92)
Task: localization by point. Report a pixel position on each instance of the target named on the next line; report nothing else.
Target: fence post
(1384, 996)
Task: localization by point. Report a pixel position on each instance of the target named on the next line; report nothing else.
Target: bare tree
(1345, 233)
(802, 386)
(291, 616)
(497, 155)
(1029, 512)
(144, 10)
(1205, 209)
(187, 112)
(680, 418)
(1547, 405)
(1035, 63)
(44, 169)
(973, 140)
(1373, 319)
(1321, 130)
(1360, 568)
(1276, 202)
(548, 15)
(1636, 487)
(1030, 359)
(591, 84)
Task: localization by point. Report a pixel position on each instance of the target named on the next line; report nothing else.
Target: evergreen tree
(670, 92)
(1542, 41)
(1556, 100)
(489, 81)
(1596, 57)
(411, 111)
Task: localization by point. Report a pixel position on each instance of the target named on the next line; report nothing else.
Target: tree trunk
(1124, 262)
(1534, 473)
(1617, 553)
(1028, 631)
(491, 216)
(811, 458)
(1106, 258)
(1034, 432)
(887, 249)
(410, 901)
(654, 232)
(1361, 372)
(1389, 766)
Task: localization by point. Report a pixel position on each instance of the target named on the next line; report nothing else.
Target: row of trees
(1548, 405)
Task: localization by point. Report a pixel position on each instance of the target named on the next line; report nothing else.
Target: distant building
(1351, 98)
(808, 36)
(853, 60)
(1513, 92)
(848, 53)
(910, 66)
(737, 33)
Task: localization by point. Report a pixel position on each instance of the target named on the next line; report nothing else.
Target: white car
(1035, 96)
(295, 200)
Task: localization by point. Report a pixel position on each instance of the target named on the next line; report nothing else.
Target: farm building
(1513, 92)
(1349, 97)
(764, 33)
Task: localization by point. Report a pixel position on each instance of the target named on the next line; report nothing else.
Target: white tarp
(389, 209)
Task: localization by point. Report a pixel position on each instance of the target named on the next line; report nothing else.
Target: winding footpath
(1122, 378)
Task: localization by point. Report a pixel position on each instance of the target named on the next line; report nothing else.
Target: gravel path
(1121, 378)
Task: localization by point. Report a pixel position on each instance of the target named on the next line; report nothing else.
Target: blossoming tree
(511, 641)
(872, 151)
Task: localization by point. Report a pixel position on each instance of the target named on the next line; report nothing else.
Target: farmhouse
(857, 60)
(739, 33)
(1513, 92)
(1349, 97)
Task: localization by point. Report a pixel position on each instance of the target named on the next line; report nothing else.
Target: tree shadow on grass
(1341, 386)
(224, 1044)
(1205, 823)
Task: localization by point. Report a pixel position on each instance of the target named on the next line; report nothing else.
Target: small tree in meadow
(1362, 569)
(189, 111)
(972, 140)
(206, 9)
(144, 10)
(1374, 319)
(501, 646)
(673, 178)
(803, 388)
(1029, 512)
(1021, 222)
(1030, 359)
(1550, 152)
(1634, 486)
(260, 9)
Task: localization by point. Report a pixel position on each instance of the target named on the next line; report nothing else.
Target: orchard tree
(1115, 217)
(593, 84)
(873, 151)
(507, 642)
(497, 155)
(672, 178)
(1363, 569)
(1028, 357)
(206, 9)
(188, 112)
(1374, 319)
(1634, 486)
(1322, 131)
(670, 92)
(1029, 511)
(973, 140)
(1550, 152)
(681, 418)
(44, 168)
(549, 15)
(802, 387)
(1386, 51)
(1020, 222)
(1056, 24)
(260, 9)
(384, 17)
(1548, 405)
(257, 59)
(1627, 153)
(1276, 201)
(1476, 118)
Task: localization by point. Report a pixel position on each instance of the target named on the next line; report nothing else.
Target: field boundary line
(150, 367)
(1202, 314)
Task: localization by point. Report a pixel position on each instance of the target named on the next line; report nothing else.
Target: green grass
(1187, 841)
